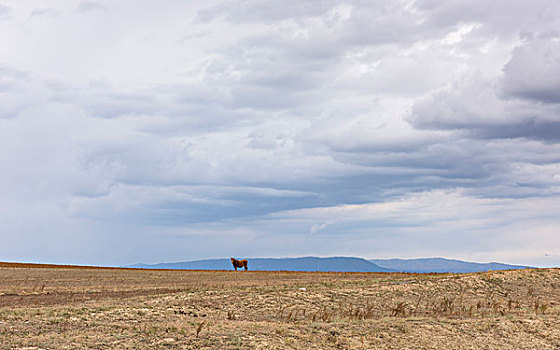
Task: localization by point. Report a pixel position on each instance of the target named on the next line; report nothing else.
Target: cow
(239, 263)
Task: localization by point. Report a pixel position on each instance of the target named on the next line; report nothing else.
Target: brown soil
(57, 307)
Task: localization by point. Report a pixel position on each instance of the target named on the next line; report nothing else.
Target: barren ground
(78, 308)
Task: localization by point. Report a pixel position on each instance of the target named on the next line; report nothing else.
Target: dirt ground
(47, 307)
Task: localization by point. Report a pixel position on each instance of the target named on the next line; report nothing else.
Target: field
(46, 307)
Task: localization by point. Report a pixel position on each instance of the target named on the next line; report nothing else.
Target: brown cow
(239, 263)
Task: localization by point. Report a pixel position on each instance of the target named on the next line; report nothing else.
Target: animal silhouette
(239, 263)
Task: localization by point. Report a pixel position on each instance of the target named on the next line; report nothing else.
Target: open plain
(62, 307)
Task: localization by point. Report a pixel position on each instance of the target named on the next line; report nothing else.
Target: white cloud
(88, 6)
(443, 221)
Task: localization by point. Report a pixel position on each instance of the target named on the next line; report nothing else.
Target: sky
(159, 131)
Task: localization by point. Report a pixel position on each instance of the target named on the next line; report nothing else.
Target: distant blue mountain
(427, 265)
(340, 264)
(335, 264)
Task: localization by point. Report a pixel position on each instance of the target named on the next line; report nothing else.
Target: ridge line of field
(66, 266)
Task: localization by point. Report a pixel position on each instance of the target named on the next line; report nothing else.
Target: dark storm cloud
(484, 116)
(533, 72)
(179, 205)
(522, 101)
(277, 71)
(530, 129)
(449, 165)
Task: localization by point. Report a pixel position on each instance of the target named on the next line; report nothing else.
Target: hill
(427, 265)
(334, 264)
(340, 264)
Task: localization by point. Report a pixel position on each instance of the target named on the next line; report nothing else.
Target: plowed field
(64, 307)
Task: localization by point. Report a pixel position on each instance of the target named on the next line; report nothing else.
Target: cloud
(4, 12)
(265, 11)
(177, 205)
(476, 107)
(533, 71)
(45, 12)
(517, 102)
(89, 6)
(369, 124)
(317, 227)
(501, 18)
(440, 206)
(17, 91)
(10, 77)
(436, 221)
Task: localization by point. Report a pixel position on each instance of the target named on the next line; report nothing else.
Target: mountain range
(427, 265)
(339, 264)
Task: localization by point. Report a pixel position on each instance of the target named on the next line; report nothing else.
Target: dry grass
(57, 308)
